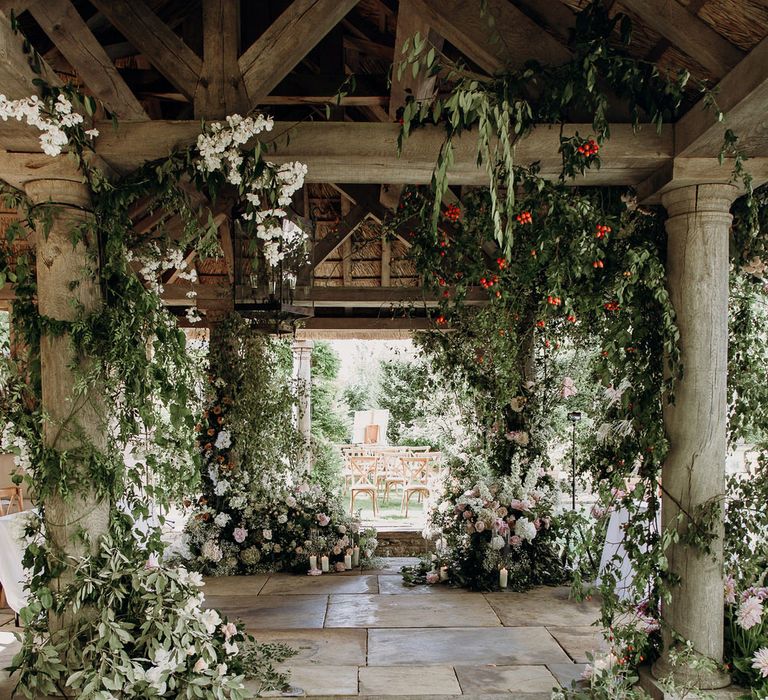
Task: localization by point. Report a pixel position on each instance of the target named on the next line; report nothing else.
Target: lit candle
(503, 578)
(324, 563)
(356, 556)
(347, 561)
(313, 561)
(443, 573)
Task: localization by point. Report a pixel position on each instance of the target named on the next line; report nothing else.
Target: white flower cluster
(220, 151)
(11, 442)
(51, 120)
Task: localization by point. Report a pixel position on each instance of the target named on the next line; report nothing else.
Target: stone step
(402, 543)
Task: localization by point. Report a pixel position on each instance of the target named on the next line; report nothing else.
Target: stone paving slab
(287, 584)
(566, 674)
(543, 607)
(273, 611)
(408, 680)
(439, 610)
(393, 585)
(234, 585)
(324, 680)
(392, 565)
(506, 646)
(577, 641)
(505, 679)
(328, 647)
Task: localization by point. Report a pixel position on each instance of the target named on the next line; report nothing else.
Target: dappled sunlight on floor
(364, 634)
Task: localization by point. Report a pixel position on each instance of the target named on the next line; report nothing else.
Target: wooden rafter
(221, 90)
(518, 37)
(162, 46)
(743, 96)
(687, 32)
(65, 27)
(290, 37)
(347, 226)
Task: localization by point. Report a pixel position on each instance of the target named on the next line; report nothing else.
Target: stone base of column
(649, 682)
(689, 675)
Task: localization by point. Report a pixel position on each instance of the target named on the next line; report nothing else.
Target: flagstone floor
(364, 634)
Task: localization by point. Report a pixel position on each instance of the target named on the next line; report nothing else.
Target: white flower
(222, 519)
(266, 534)
(497, 542)
(282, 518)
(221, 488)
(221, 670)
(525, 528)
(223, 440)
(92, 133)
(201, 665)
(210, 619)
(229, 630)
(230, 648)
(189, 578)
(211, 550)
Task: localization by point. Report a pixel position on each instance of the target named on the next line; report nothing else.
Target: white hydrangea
(525, 528)
(221, 488)
(223, 440)
(222, 519)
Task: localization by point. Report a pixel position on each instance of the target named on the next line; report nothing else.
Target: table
(13, 543)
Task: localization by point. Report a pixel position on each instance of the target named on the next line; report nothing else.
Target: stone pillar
(694, 471)
(67, 278)
(302, 375)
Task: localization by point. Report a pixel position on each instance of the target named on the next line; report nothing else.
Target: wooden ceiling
(161, 65)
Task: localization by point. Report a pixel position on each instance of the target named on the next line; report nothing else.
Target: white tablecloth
(614, 546)
(12, 547)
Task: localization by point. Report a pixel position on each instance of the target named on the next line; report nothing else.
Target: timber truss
(162, 65)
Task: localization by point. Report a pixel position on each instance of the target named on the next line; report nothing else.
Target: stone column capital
(302, 345)
(713, 199)
(63, 192)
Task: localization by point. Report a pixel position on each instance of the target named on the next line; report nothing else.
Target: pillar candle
(503, 578)
(443, 573)
(348, 561)
(324, 563)
(356, 556)
(313, 561)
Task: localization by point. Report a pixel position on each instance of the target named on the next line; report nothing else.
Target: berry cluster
(571, 318)
(611, 306)
(487, 283)
(555, 301)
(524, 217)
(453, 213)
(441, 320)
(502, 263)
(589, 148)
(601, 230)
(598, 264)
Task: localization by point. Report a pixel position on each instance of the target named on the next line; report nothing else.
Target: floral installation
(256, 510)
(746, 617)
(484, 524)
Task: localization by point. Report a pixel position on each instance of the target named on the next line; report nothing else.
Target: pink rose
(240, 534)
(470, 528)
(537, 523)
(516, 504)
(515, 540)
(340, 566)
(503, 512)
(229, 630)
(433, 577)
(479, 526)
(322, 519)
(467, 514)
(546, 522)
(315, 572)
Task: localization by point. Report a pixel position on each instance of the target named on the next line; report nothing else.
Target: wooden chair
(391, 474)
(417, 472)
(9, 496)
(363, 473)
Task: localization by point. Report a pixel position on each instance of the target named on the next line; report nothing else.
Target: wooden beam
(360, 152)
(161, 45)
(290, 37)
(345, 101)
(176, 294)
(173, 275)
(220, 91)
(361, 328)
(65, 27)
(386, 261)
(347, 227)
(687, 32)
(374, 296)
(557, 17)
(512, 40)
(743, 96)
(369, 48)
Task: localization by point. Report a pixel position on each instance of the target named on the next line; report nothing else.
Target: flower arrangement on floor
(257, 510)
(747, 635)
(288, 529)
(495, 531)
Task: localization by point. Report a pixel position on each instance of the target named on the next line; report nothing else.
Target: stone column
(68, 278)
(302, 375)
(694, 472)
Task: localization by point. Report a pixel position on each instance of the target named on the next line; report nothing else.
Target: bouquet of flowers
(747, 635)
(486, 524)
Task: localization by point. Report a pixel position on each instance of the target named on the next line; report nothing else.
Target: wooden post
(302, 374)
(67, 277)
(694, 471)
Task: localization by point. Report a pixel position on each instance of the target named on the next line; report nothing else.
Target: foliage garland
(129, 646)
(580, 269)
